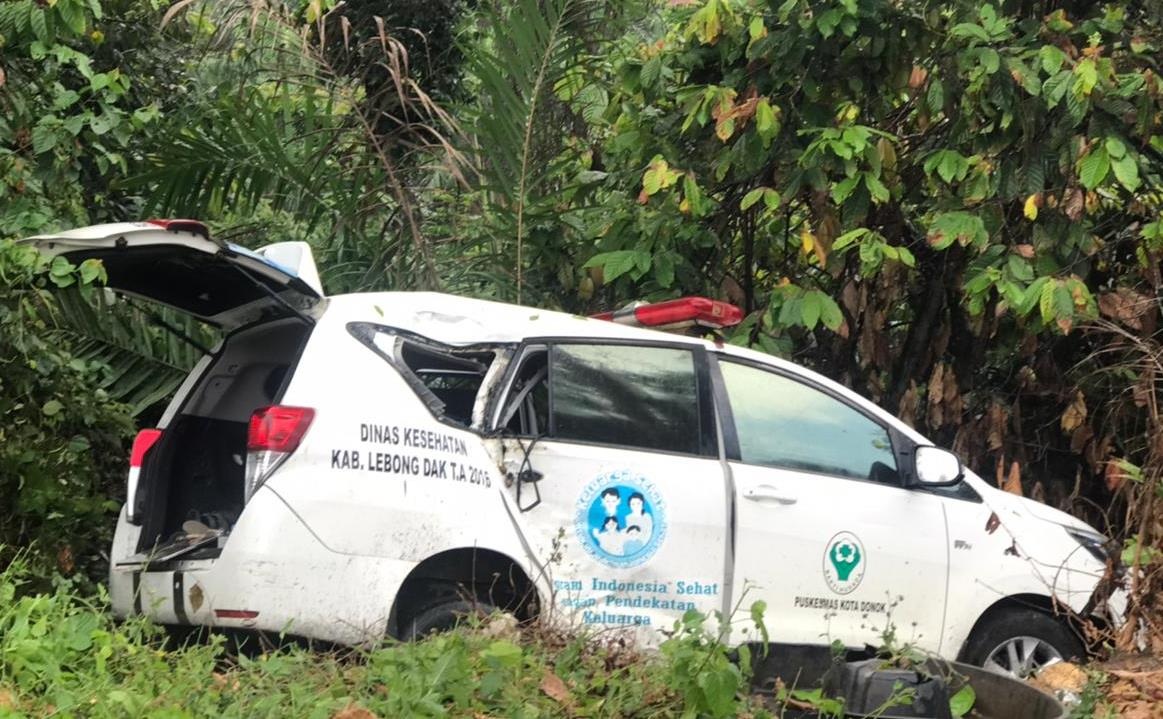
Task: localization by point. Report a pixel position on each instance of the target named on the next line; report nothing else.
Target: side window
(784, 423)
(645, 397)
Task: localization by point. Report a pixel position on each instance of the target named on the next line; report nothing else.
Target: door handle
(767, 493)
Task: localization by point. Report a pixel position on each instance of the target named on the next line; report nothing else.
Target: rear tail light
(273, 435)
(142, 443)
(676, 314)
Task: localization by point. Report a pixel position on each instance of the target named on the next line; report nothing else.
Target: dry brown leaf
(907, 410)
(1080, 437)
(1097, 453)
(1075, 414)
(1073, 203)
(733, 291)
(1026, 251)
(1126, 306)
(8, 701)
(936, 413)
(65, 561)
(1013, 483)
(996, 422)
(1113, 476)
(354, 711)
(1063, 676)
(554, 688)
(918, 76)
(1143, 390)
(952, 397)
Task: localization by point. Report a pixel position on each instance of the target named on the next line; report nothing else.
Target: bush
(62, 441)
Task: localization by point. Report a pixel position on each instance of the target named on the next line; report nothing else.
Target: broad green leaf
(751, 198)
(935, 98)
(766, 121)
(617, 263)
(830, 313)
(842, 190)
(1093, 168)
(962, 701)
(1127, 172)
(1046, 301)
(961, 227)
(876, 188)
(1052, 58)
(969, 30)
(810, 309)
(849, 238)
(1085, 76)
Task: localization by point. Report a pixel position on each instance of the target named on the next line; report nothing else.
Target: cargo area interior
(196, 471)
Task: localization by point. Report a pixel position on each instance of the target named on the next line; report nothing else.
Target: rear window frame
(365, 333)
(705, 410)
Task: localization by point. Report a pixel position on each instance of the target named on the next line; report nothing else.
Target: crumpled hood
(1005, 502)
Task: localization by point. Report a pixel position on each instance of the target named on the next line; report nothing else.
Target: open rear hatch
(176, 263)
(186, 483)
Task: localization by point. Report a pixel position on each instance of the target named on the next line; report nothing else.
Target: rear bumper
(273, 575)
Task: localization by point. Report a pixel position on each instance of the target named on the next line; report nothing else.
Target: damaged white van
(364, 465)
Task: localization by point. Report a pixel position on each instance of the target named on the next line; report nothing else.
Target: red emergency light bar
(674, 314)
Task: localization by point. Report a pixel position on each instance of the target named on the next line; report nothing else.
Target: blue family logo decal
(621, 519)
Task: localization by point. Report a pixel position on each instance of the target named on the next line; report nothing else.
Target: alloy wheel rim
(1020, 657)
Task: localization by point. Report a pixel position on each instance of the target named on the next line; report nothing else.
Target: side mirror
(936, 467)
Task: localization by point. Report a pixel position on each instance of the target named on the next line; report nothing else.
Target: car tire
(442, 617)
(1019, 642)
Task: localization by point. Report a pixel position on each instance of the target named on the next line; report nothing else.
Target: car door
(828, 535)
(615, 479)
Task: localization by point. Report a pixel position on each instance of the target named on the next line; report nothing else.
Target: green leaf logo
(844, 562)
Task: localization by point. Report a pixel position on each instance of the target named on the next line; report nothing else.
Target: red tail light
(274, 433)
(145, 439)
(677, 313)
(278, 428)
(141, 444)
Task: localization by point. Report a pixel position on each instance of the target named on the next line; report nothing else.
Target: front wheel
(1021, 642)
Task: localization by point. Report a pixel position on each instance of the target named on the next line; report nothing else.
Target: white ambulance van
(368, 465)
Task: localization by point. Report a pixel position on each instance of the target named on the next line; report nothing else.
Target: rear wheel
(1021, 642)
(443, 616)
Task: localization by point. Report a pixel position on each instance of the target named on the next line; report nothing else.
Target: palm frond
(146, 362)
(534, 44)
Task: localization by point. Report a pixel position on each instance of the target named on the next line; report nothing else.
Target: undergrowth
(63, 655)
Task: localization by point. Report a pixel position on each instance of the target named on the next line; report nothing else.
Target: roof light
(675, 314)
(194, 226)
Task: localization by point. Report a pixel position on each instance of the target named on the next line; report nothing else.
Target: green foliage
(62, 443)
(73, 109)
(699, 669)
(61, 654)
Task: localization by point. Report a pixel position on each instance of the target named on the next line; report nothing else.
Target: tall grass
(62, 654)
